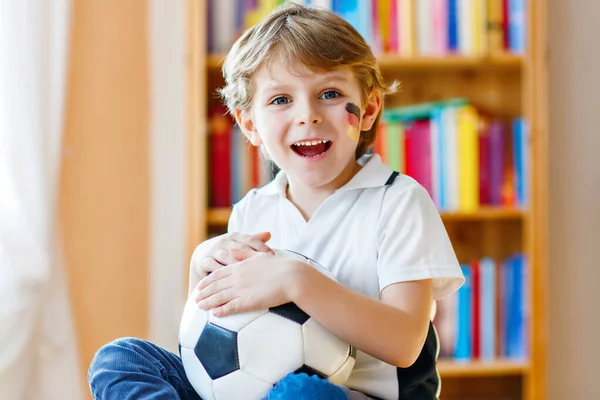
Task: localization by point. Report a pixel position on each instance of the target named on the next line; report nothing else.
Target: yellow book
(468, 159)
(384, 8)
(479, 28)
(264, 8)
(406, 27)
(494, 27)
(384, 148)
(483, 26)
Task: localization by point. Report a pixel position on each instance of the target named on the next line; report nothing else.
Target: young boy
(304, 86)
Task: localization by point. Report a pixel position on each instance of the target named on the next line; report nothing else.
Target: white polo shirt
(368, 235)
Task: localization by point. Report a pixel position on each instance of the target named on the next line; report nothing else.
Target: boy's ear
(371, 110)
(244, 120)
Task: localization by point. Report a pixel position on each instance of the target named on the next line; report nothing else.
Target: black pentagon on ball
(217, 351)
(291, 312)
(305, 369)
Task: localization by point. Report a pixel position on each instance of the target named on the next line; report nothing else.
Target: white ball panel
(197, 375)
(235, 322)
(240, 385)
(270, 347)
(323, 350)
(192, 322)
(341, 376)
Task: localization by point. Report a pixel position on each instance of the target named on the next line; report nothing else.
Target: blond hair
(319, 39)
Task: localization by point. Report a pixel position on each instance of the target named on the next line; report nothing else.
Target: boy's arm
(392, 330)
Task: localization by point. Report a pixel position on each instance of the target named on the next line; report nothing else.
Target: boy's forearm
(378, 329)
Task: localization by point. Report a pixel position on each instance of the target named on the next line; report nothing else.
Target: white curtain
(38, 350)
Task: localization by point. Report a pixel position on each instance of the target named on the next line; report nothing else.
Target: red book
(505, 24)
(255, 162)
(378, 145)
(484, 162)
(418, 146)
(220, 125)
(476, 337)
(508, 195)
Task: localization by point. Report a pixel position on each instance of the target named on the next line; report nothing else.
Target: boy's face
(309, 122)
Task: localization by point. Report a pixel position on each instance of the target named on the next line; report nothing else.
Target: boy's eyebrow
(325, 79)
(335, 77)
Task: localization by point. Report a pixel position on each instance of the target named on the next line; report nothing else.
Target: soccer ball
(242, 356)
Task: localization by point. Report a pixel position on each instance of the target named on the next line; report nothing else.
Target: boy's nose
(309, 115)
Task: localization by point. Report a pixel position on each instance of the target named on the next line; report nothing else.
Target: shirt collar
(374, 173)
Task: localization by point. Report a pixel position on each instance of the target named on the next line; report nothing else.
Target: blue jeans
(134, 369)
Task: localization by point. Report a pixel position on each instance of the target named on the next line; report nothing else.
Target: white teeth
(310, 142)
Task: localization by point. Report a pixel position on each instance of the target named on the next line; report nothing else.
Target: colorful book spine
(468, 156)
(463, 348)
(516, 26)
(488, 317)
(405, 27)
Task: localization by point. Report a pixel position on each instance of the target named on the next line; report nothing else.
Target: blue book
(517, 159)
(348, 9)
(487, 273)
(516, 333)
(520, 141)
(516, 26)
(452, 27)
(438, 157)
(525, 162)
(505, 299)
(463, 349)
(365, 21)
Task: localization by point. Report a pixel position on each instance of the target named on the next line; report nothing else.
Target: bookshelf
(505, 85)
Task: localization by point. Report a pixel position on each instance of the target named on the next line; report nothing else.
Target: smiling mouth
(311, 149)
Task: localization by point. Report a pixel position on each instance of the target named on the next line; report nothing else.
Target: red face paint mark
(353, 114)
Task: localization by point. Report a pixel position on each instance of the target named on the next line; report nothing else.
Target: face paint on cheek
(354, 121)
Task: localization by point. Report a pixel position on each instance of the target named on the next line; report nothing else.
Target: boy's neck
(307, 199)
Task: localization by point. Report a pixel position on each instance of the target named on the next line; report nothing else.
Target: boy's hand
(259, 282)
(216, 252)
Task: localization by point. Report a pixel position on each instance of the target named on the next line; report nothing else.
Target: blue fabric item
(134, 369)
(305, 387)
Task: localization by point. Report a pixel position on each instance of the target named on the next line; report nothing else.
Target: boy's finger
(262, 236)
(257, 242)
(259, 246)
(241, 255)
(224, 257)
(207, 265)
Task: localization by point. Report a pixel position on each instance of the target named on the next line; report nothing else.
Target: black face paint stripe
(353, 109)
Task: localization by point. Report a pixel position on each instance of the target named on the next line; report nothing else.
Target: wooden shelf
(220, 216)
(449, 368)
(485, 213)
(387, 61)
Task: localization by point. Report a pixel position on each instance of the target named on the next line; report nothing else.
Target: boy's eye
(330, 94)
(280, 100)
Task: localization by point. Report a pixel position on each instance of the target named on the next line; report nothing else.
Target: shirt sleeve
(414, 244)
(236, 219)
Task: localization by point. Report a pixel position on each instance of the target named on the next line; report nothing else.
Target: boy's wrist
(299, 277)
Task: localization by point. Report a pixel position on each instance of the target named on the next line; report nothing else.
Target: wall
(574, 184)
(105, 180)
